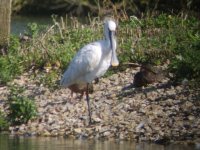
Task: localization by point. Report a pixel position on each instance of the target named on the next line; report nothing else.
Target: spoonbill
(91, 62)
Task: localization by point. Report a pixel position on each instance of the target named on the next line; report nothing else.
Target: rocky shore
(159, 112)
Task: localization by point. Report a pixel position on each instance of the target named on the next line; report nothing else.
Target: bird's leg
(81, 96)
(72, 94)
(96, 80)
(71, 97)
(88, 103)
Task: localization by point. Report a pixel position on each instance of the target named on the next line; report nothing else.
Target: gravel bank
(159, 112)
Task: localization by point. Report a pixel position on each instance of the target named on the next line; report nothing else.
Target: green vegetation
(21, 108)
(3, 122)
(45, 53)
(163, 38)
(10, 64)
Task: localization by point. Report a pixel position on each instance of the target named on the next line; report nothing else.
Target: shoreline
(159, 112)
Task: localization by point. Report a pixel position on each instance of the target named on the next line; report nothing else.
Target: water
(49, 143)
(19, 23)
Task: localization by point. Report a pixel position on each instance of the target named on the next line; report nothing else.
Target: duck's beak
(113, 44)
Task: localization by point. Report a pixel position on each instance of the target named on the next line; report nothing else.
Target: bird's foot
(90, 123)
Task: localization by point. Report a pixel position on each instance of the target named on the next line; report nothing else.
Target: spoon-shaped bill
(114, 59)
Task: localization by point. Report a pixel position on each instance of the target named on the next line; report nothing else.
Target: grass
(154, 40)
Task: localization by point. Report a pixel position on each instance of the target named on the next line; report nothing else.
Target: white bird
(91, 62)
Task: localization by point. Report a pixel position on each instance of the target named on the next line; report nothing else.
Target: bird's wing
(83, 64)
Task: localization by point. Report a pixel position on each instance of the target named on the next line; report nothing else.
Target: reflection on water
(44, 143)
(19, 23)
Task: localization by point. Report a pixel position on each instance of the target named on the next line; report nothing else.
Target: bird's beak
(114, 59)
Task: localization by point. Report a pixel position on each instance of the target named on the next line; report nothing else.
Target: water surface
(19, 23)
(8, 142)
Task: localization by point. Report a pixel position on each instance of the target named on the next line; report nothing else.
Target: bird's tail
(63, 82)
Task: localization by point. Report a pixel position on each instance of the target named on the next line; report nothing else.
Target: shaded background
(102, 7)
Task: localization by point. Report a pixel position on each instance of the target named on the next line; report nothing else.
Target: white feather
(90, 62)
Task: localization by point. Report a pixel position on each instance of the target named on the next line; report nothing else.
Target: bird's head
(111, 25)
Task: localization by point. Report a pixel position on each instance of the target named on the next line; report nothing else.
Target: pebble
(78, 131)
(154, 113)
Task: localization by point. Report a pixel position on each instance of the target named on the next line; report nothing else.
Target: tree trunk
(5, 17)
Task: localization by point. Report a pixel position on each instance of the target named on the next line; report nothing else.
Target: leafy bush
(162, 38)
(3, 122)
(53, 48)
(147, 40)
(150, 40)
(10, 64)
(186, 63)
(21, 108)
